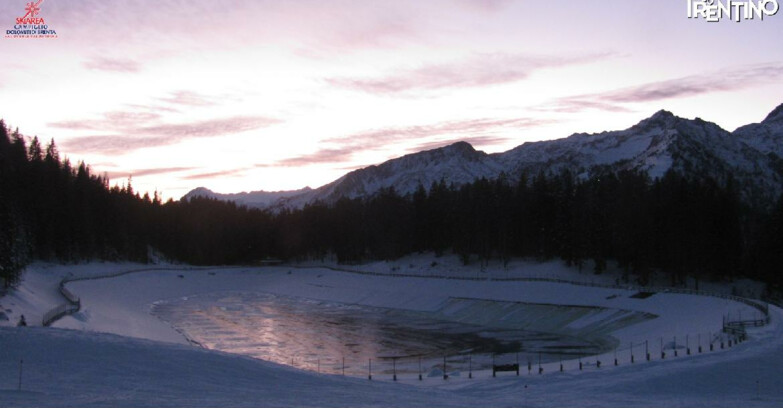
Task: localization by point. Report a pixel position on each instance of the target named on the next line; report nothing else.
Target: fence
(74, 304)
(469, 366)
(733, 332)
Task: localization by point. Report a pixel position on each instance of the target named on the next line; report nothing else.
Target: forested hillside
(53, 210)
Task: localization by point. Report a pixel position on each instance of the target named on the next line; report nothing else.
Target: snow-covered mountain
(767, 136)
(751, 156)
(255, 199)
(696, 148)
(457, 163)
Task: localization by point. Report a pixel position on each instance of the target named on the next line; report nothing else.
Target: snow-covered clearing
(122, 355)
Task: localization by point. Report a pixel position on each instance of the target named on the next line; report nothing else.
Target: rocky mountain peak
(776, 116)
(657, 144)
(662, 119)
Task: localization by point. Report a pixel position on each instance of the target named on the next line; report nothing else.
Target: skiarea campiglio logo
(31, 24)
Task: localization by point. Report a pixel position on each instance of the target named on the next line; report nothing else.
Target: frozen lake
(332, 337)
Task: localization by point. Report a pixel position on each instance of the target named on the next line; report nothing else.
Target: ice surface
(88, 367)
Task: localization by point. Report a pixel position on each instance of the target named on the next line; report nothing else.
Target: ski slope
(121, 355)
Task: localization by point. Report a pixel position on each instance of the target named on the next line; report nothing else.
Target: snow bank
(154, 366)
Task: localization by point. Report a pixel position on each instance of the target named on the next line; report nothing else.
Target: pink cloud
(479, 131)
(139, 137)
(477, 71)
(216, 174)
(112, 64)
(189, 98)
(693, 85)
(111, 121)
(147, 172)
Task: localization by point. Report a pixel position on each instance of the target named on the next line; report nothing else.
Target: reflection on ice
(330, 337)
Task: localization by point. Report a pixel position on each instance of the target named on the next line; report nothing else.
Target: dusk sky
(278, 95)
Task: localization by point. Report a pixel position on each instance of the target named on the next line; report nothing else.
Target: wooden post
(370, 375)
(21, 364)
(663, 353)
(675, 346)
(540, 369)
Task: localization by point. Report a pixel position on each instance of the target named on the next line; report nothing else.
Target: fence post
(419, 368)
(663, 353)
(632, 353)
(470, 366)
(675, 346)
(394, 368)
(21, 364)
(445, 376)
(370, 371)
(647, 349)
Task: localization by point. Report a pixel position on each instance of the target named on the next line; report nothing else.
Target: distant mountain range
(752, 156)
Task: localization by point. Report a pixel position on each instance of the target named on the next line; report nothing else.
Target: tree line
(51, 209)
(686, 226)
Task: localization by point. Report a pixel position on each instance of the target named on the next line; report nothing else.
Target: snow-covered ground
(122, 355)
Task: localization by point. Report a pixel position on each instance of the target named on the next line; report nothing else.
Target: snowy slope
(90, 368)
(458, 163)
(767, 136)
(693, 147)
(644, 146)
(64, 368)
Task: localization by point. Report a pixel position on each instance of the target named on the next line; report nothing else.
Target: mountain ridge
(751, 156)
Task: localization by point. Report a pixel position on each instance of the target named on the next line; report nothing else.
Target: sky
(269, 95)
